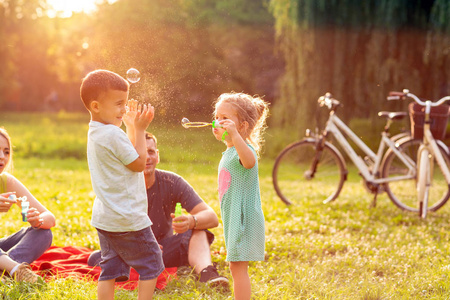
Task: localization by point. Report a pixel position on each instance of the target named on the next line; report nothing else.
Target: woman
(17, 251)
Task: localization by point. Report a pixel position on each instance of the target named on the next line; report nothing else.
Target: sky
(65, 8)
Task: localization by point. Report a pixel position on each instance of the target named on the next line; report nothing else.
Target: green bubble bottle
(178, 212)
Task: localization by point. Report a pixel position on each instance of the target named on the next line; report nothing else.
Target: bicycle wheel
(404, 193)
(301, 173)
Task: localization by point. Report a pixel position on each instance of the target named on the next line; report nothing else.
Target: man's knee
(200, 234)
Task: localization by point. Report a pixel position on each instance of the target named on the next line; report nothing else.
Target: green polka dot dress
(240, 206)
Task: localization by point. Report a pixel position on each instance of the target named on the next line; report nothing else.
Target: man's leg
(192, 248)
(199, 254)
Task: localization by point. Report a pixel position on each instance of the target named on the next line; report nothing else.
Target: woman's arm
(45, 216)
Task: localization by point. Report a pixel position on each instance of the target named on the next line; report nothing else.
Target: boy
(120, 208)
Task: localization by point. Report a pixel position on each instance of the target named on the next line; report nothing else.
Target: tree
(359, 51)
(188, 52)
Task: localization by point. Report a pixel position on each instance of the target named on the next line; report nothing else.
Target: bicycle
(430, 189)
(314, 165)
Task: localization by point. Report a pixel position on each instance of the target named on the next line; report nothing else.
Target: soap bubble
(133, 75)
(184, 122)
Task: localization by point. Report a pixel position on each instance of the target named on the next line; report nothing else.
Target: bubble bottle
(178, 210)
(24, 203)
(177, 213)
(25, 207)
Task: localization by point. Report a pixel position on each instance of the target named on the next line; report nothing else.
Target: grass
(343, 250)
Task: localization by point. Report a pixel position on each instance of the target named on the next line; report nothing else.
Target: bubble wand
(188, 124)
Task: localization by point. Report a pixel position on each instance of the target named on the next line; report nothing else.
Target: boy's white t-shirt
(121, 199)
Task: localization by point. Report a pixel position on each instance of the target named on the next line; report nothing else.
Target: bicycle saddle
(393, 115)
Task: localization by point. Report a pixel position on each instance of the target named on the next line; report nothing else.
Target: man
(191, 243)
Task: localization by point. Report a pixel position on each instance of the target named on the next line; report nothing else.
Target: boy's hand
(130, 116)
(144, 116)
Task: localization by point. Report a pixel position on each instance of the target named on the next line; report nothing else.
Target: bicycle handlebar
(328, 101)
(402, 96)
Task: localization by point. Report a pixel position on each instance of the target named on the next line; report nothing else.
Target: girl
(243, 118)
(28, 244)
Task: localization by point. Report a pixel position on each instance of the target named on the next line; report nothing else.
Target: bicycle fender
(311, 139)
(438, 142)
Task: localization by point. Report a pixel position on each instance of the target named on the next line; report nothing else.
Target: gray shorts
(122, 250)
(176, 248)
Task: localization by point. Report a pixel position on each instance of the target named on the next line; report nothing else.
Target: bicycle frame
(430, 144)
(335, 126)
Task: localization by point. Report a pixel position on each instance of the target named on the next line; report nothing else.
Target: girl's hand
(34, 217)
(229, 126)
(180, 224)
(5, 202)
(144, 116)
(130, 115)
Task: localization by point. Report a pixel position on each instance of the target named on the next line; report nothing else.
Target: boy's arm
(129, 118)
(143, 119)
(131, 132)
(139, 164)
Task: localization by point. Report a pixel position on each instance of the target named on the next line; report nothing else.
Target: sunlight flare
(65, 8)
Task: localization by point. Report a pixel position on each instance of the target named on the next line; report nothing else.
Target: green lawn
(343, 250)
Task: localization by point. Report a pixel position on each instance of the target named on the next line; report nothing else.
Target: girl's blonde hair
(253, 110)
(5, 134)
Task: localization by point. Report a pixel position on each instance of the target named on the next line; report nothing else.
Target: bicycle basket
(438, 115)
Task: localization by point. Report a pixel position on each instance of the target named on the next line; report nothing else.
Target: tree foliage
(188, 52)
(359, 51)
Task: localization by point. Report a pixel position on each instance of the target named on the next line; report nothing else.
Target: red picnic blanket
(71, 261)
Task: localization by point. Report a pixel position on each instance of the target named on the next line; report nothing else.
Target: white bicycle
(429, 190)
(314, 168)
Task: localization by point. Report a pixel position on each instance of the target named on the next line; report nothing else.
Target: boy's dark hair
(100, 81)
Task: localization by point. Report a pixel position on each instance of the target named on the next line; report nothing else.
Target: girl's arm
(246, 155)
(41, 214)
